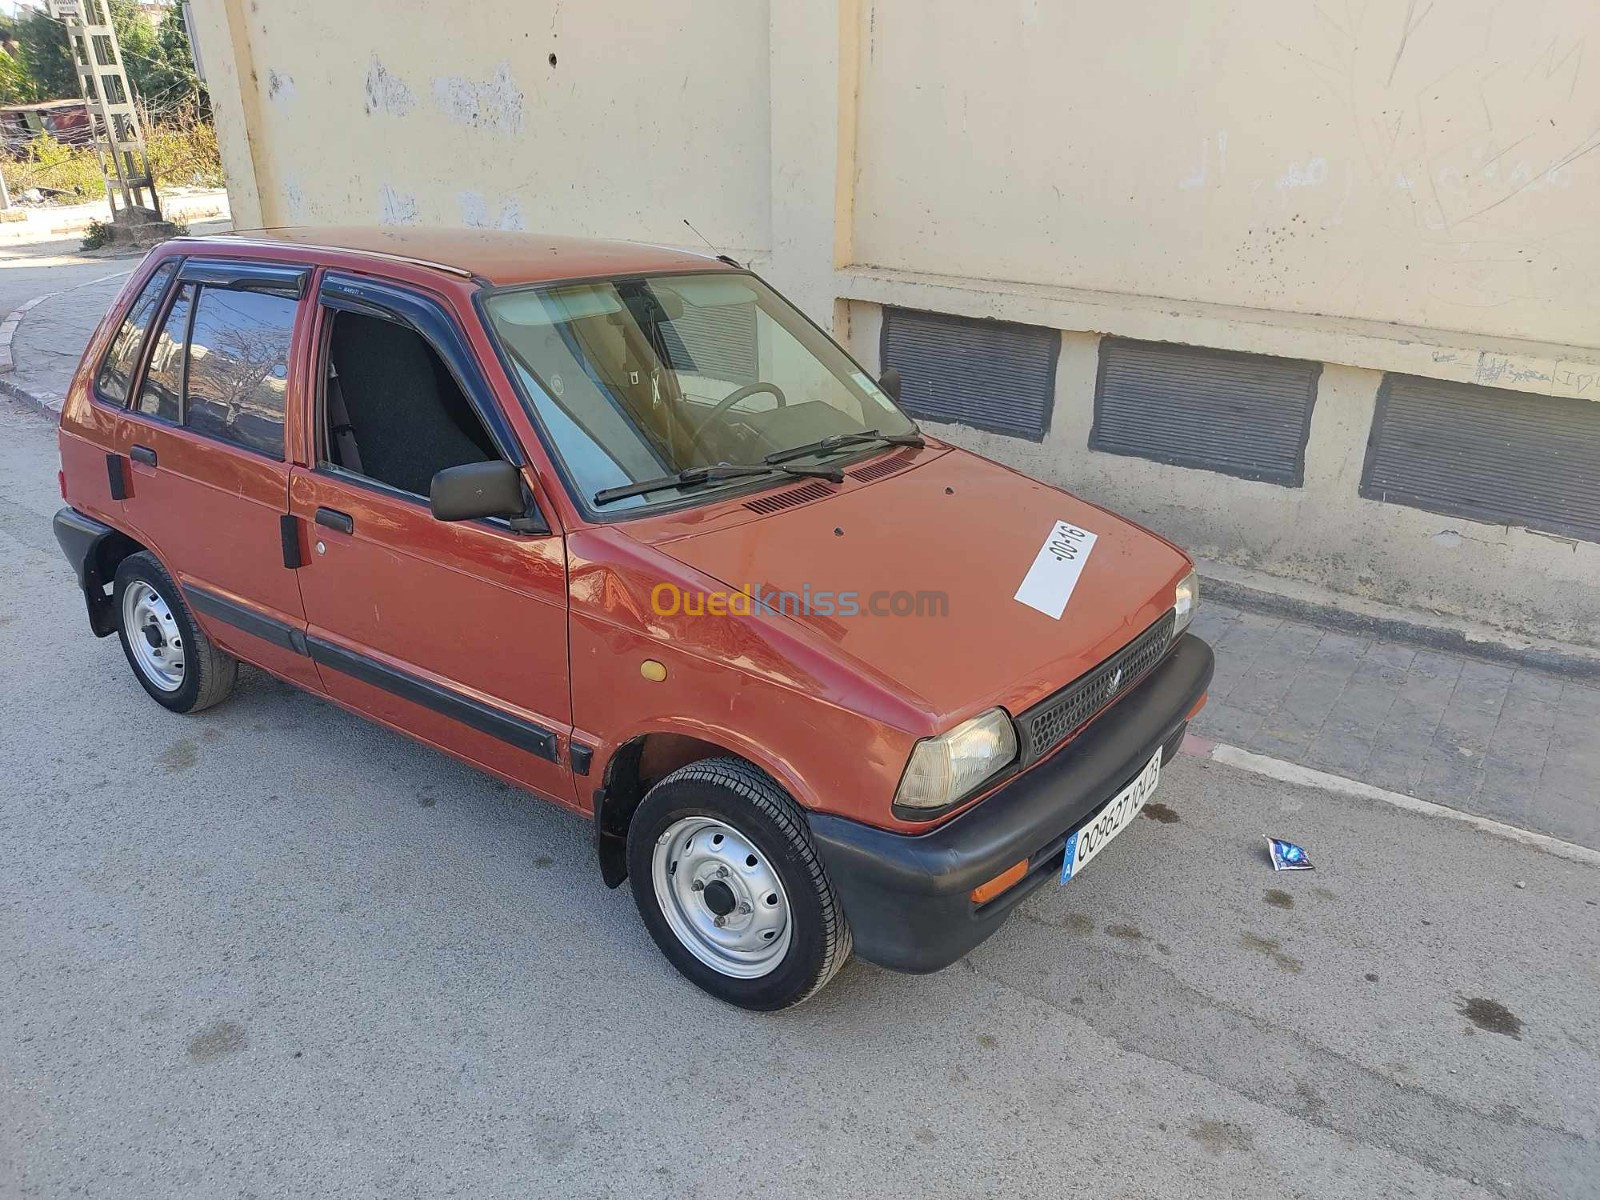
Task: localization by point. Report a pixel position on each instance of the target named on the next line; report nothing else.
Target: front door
(455, 632)
(204, 439)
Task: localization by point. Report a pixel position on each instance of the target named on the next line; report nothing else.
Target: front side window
(635, 380)
(161, 393)
(116, 372)
(239, 367)
(392, 411)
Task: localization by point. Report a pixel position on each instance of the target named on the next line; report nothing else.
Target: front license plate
(1110, 820)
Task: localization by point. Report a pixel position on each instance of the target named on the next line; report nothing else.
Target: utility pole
(119, 137)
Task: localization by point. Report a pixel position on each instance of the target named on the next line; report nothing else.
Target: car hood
(914, 578)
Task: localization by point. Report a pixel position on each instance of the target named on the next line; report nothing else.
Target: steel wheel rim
(153, 636)
(704, 870)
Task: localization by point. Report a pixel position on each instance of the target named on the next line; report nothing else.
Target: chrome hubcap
(153, 636)
(721, 897)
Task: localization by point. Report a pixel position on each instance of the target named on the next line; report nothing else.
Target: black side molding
(247, 620)
(513, 730)
(524, 735)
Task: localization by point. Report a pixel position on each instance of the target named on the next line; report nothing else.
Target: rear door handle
(142, 454)
(334, 519)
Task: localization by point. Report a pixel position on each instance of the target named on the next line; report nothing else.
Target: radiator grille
(1054, 719)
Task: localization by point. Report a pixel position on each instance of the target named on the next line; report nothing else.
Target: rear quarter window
(121, 360)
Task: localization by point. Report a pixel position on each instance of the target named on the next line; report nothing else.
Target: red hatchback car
(621, 526)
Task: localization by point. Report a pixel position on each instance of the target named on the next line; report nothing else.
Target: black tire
(740, 795)
(208, 673)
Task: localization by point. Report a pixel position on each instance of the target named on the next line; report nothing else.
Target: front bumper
(908, 896)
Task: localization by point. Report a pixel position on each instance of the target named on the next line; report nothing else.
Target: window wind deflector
(278, 278)
(841, 441)
(721, 473)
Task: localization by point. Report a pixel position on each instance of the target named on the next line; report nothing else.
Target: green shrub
(96, 235)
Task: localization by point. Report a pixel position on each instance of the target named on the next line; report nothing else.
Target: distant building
(64, 120)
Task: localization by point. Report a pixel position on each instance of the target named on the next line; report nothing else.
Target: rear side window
(161, 393)
(239, 367)
(116, 372)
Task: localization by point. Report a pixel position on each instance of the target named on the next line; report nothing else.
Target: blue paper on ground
(1286, 856)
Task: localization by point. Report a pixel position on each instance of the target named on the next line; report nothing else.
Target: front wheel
(731, 888)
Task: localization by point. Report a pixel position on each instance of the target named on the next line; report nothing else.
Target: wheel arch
(649, 756)
(95, 550)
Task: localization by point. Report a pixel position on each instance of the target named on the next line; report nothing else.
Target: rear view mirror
(889, 381)
(481, 489)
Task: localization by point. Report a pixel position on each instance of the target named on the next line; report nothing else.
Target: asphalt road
(273, 950)
(32, 269)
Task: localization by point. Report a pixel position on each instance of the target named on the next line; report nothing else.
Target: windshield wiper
(839, 441)
(721, 472)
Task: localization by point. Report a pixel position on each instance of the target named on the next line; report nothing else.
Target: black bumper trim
(908, 897)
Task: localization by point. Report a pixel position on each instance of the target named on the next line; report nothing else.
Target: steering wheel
(728, 401)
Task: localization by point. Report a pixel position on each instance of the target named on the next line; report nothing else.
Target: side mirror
(889, 381)
(482, 489)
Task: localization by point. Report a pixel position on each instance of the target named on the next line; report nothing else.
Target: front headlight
(947, 769)
(1184, 601)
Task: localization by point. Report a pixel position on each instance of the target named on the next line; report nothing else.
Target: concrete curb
(45, 406)
(1294, 773)
(1575, 662)
(50, 406)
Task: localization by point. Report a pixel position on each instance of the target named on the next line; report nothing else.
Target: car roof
(498, 257)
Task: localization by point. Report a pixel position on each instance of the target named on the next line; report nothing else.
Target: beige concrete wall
(1297, 157)
(1396, 188)
(454, 114)
(1324, 533)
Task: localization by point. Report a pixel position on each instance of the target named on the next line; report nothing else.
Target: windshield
(636, 379)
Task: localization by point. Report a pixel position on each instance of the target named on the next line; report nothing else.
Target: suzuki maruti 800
(619, 525)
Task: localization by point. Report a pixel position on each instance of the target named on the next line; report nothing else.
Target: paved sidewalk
(1518, 745)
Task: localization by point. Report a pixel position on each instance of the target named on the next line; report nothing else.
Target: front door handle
(334, 519)
(142, 454)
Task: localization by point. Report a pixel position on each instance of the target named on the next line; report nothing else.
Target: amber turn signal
(986, 892)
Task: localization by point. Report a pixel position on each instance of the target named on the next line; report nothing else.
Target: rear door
(204, 440)
(455, 632)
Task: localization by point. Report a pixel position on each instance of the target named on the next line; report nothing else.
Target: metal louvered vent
(884, 466)
(1055, 718)
(719, 341)
(780, 500)
(1497, 456)
(1239, 414)
(987, 374)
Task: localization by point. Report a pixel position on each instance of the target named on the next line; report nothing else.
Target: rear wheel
(170, 655)
(731, 888)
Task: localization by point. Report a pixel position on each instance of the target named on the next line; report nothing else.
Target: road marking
(1288, 772)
